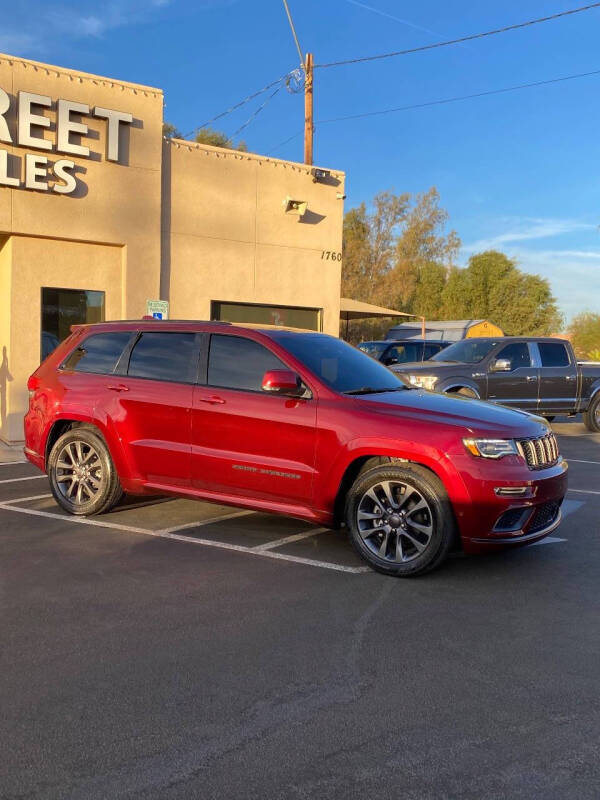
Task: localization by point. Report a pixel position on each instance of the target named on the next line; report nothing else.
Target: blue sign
(157, 315)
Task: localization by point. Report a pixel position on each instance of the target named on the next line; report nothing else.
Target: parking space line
(583, 491)
(168, 534)
(28, 478)
(12, 463)
(548, 540)
(24, 499)
(202, 522)
(581, 461)
(296, 537)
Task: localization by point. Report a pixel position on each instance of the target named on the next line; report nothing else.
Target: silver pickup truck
(540, 375)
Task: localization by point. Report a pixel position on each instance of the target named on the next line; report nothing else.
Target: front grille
(540, 453)
(545, 515)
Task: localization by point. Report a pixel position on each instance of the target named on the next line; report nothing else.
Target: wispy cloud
(33, 32)
(573, 270)
(529, 229)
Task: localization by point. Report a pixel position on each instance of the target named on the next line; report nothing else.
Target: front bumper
(495, 521)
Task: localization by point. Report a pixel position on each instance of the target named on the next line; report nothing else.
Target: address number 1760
(331, 255)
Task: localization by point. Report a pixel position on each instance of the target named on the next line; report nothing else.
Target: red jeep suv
(293, 423)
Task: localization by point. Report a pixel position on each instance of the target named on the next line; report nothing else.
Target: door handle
(213, 400)
(120, 387)
(532, 377)
(570, 377)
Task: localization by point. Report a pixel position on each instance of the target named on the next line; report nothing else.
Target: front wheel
(591, 417)
(400, 520)
(83, 478)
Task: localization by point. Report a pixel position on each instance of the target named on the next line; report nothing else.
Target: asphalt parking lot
(173, 649)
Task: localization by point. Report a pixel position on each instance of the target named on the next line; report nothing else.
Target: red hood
(470, 415)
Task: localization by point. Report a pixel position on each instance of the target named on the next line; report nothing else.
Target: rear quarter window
(553, 354)
(162, 356)
(98, 353)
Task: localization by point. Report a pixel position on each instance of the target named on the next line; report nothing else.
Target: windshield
(374, 349)
(339, 365)
(467, 351)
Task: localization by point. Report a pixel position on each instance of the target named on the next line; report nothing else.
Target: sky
(516, 171)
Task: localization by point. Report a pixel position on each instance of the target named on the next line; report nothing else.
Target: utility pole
(308, 109)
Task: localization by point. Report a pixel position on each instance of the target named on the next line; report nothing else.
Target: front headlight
(423, 381)
(491, 448)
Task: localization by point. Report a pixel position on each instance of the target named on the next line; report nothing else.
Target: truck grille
(540, 453)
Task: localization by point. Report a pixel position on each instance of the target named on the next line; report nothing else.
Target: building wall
(227, 237)
(171, 220)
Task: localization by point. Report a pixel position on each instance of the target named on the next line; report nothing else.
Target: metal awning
(356, 309)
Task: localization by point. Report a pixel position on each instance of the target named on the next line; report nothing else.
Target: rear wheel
(591, 417)
(82, 476)
(399, 520)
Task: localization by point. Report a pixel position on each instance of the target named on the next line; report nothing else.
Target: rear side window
(98, 353)
(553, 354)
(237, 363)
(431, 350)
(517, 353)
(165, 357)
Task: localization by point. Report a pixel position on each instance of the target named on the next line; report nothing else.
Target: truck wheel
(399, 519)
(591, 417)
(83, 478)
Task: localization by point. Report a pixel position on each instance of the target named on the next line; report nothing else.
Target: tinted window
(467, 351)
(403, 353)
(431, 350)
(374, 349)
(336, 363)
(98, 353)
(517, 353)
(165, 357)
(553, 354)
(62, 308)
(237, 363)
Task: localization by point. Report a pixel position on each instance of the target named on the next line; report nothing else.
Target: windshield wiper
(371, 390)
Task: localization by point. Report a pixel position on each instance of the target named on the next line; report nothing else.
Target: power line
(250, 97)
(258, 110)
(461, 39)
(294, 34)
(459, 97)
(440, 102)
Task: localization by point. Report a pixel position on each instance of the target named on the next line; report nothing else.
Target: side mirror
(390, 360)
(282, 381)
(501, 365)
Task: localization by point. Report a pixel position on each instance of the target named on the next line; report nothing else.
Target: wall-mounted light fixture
(320, 174)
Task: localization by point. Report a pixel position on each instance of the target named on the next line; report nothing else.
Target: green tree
(170, 131)
(455, 296)
(218, 139)
(485, 271)
(429, 290)
(584, 333)
(523, 305)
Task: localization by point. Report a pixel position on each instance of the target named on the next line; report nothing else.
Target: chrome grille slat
(541, 452)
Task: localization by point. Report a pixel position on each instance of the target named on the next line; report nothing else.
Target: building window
(62, 308)
(286, 316)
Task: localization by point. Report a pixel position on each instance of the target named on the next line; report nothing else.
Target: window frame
(122, 368)
(215, 306)
(205, 364)
(80, 342)
(66, 289)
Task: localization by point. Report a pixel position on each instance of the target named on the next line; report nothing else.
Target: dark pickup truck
(540, 375)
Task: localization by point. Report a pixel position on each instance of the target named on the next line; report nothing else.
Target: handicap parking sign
(159, 309)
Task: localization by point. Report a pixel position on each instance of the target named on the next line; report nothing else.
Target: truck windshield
(339, 365)
(467, 351)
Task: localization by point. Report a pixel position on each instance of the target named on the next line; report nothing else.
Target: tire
(399, 548)
(83, 478)
(591, 417)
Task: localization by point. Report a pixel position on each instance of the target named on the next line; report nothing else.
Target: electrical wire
(459, 98)
(279, 81)
(440, 102)
(461, 39)
(258, 110)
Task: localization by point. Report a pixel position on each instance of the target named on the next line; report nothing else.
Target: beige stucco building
(99, 214)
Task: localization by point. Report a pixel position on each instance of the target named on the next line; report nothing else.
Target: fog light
(512, 491)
